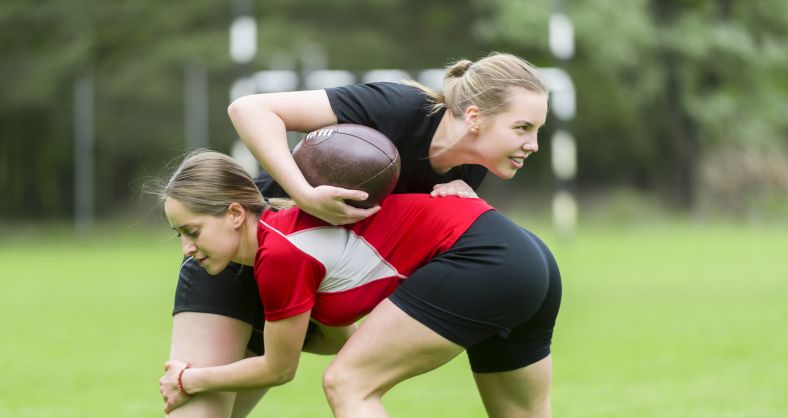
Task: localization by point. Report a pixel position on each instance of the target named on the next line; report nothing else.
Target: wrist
(183, 381)
(301, 195)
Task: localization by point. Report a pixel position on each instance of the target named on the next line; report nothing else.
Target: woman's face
(213, 241)
(506, 139)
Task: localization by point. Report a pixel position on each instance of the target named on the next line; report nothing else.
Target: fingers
(172, 399)
(350, 214)
(168, 386)
(455, 188)
(170, 364)
(329, 204)
(346, 194)
(353, 214)
(444, 193)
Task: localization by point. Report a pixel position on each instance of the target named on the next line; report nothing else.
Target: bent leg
(388, 348)
(205, 339)
(524, 392)
(246, 400)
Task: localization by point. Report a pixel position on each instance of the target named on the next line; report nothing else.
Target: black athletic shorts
(496, 292)
(233, 293)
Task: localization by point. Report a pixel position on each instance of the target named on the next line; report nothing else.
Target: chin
(214, 269)
(505, 174)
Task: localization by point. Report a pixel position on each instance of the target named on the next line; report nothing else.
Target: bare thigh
(205, 339)
(523, 392)
(388, 348)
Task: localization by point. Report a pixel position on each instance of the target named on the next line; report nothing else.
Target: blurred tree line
(682, 98)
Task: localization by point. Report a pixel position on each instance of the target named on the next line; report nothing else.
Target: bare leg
(246, 400)
(388, 348)
(522, 393)
(208, 340)
(320, 340)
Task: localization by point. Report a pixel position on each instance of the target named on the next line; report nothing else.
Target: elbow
(246, 106)
(285, 377)
(288, 373)
(281, 374)
(236, 107)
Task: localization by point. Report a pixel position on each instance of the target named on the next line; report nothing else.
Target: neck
(247, 248)
(451, 145)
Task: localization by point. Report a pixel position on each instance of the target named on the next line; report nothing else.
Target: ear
(471, 116)
(236, 214)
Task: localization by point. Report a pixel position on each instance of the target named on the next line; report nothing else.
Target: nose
(531, 145)
(187, 246)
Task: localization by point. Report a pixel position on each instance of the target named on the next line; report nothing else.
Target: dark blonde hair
(207, 182)
(484, 83)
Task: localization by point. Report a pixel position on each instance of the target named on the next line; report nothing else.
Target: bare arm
(283, 340)
(262, 122)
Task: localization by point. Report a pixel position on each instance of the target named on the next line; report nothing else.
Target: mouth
(201, 261)
(517, 162)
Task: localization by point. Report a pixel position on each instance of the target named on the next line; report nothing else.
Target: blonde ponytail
(484, 83)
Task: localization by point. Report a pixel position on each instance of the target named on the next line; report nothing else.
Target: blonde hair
(207, 182)
(485, 83)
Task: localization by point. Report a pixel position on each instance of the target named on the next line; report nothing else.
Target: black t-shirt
(401, 113)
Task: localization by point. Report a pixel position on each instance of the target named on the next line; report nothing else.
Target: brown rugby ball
(350, 156)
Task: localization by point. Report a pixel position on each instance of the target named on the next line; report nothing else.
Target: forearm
(247, 374)
(265, 135)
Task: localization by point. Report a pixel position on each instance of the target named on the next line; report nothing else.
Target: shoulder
(382, 96)
(278, 255)
(392, 108)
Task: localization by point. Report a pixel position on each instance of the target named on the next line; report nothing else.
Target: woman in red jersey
(449, 274)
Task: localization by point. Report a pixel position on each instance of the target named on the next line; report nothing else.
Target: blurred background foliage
(682, 102)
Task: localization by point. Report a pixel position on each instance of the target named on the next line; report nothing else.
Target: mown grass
(667, 319)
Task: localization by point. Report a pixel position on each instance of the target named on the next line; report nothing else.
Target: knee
(338, 385)
(333, 384)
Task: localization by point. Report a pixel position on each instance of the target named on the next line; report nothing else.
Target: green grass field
(660, 320)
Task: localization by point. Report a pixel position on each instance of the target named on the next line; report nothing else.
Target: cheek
(212, 240)
(227, 244)
(504, 142)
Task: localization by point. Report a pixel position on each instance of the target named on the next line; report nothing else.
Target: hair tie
(468, 65)
(265, 199)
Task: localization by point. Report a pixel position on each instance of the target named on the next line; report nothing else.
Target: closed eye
(194, 233)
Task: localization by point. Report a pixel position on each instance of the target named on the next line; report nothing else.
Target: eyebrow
(525, 122)
(181, 227)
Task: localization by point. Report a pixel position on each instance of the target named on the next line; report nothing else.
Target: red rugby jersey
(342, 272)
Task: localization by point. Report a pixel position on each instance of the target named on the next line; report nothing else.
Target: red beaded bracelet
(180, 380)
